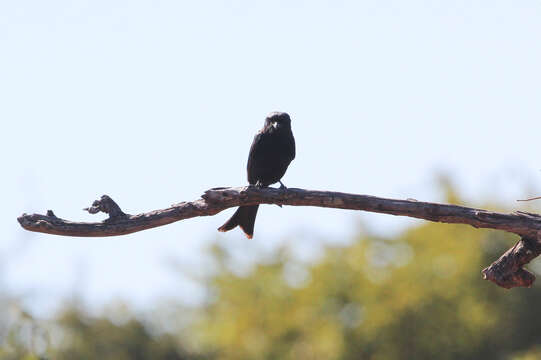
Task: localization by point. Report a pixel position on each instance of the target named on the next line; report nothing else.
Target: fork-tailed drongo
(272, 150)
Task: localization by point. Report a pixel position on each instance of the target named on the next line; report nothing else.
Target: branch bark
(507, 271)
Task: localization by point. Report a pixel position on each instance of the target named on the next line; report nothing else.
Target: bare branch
(506, 271)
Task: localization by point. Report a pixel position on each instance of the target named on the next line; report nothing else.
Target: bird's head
(278, 120)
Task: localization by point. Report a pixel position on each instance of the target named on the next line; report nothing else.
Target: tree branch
(507, 271)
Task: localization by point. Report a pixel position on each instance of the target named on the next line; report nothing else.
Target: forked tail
(244, 217)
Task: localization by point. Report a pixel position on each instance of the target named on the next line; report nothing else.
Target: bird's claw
(282, 188)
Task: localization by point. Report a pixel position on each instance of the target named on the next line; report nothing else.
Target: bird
(272, 150)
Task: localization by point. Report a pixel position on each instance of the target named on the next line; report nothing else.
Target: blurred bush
(418, 296)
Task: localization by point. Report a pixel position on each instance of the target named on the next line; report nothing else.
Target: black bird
(272, 150)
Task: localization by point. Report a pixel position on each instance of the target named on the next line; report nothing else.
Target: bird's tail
(243, 217)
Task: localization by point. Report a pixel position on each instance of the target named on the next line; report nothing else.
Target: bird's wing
(292, 147)
(255, 149)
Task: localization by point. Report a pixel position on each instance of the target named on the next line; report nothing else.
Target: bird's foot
(283, 189)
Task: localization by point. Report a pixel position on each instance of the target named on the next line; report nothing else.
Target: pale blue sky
(153, 102)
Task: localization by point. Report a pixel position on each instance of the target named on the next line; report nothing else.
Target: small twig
(535, 198)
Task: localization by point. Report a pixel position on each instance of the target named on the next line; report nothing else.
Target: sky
(153, 102)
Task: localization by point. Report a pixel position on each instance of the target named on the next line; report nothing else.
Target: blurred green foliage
(79, 336)
(417, 296)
